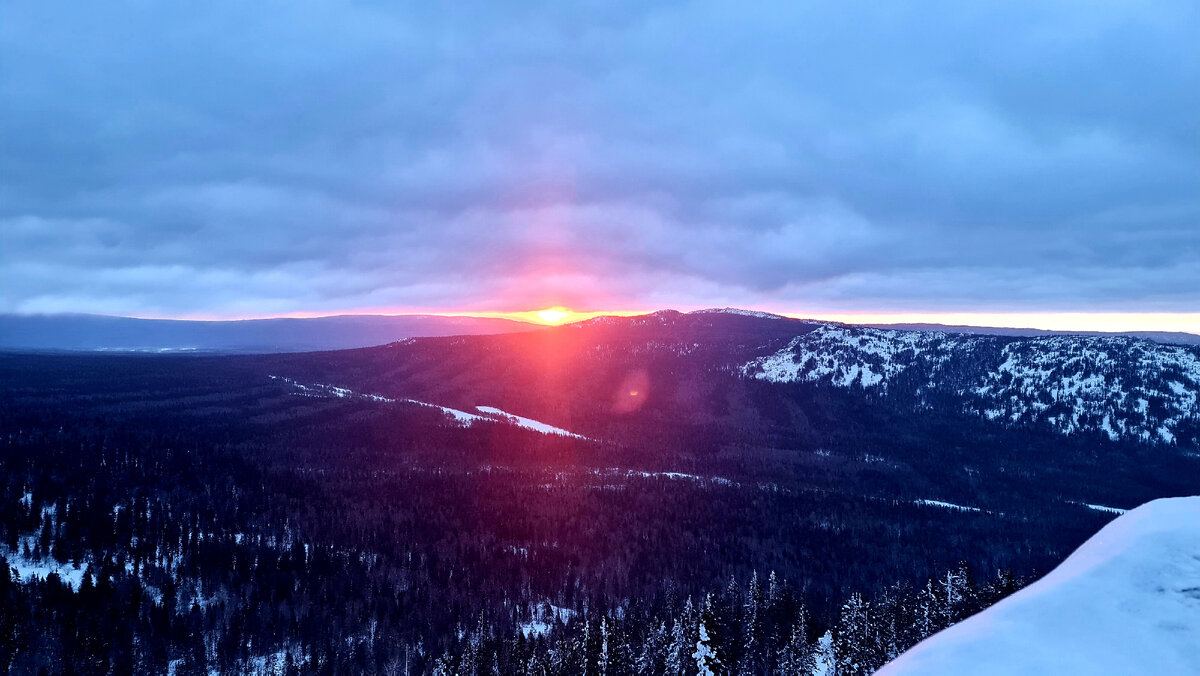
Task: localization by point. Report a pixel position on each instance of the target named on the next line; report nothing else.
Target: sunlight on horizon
(1114, 322)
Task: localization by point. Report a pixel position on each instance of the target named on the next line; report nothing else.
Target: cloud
(258, 158)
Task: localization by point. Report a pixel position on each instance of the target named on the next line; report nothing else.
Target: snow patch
(737, 311)
(948, 505)
(1126, 602)
(527, 423)
(1102, 508)
(543, 618)
(28, 568)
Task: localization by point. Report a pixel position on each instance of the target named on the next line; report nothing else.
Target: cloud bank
(232, 158)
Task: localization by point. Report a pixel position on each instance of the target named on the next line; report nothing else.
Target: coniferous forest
(194, 515)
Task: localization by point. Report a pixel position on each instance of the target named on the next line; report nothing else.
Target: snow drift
(1126, 602)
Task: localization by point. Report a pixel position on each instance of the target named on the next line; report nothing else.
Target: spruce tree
(707, 662)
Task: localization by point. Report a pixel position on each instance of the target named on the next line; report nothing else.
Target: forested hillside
(360, 512)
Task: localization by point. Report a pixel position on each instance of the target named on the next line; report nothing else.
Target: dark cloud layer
(269, 157)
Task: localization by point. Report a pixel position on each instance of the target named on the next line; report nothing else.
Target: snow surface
(948, 505)
(544, 617)
(1102, 508)
(1123, 387)
(679, 476)
(461, 417)
(737, 311)
(527, 423)
(856, 356)
(1126, 602)
(28, 568)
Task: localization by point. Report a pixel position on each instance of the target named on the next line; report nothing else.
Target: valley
(424, 501)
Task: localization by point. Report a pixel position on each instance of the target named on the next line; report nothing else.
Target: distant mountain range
(101, 332)
(127, 334)
(741, 370)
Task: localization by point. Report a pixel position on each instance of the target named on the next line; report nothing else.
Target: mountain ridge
(75, 332)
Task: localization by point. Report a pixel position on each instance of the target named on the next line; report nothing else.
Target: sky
(237, 159)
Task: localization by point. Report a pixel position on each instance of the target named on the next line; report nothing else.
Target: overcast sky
(257, 158)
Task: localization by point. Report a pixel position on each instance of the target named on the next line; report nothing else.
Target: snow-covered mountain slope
(848, 356)
(1126, 602)
(1131, 386)
(737, 311)
(1123, 387)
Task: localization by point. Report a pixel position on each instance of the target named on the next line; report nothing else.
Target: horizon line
(1076, 321)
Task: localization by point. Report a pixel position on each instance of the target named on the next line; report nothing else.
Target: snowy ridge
(737, 311)
(1121, 386)
(1126, 602)
(849, 356)
(1125, 388)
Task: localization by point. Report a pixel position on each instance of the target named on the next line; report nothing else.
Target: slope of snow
(1083, 382)
(948, 505)
(527, 423)
(1126, 602)
(461, 417)
(849, 356)
(1122, 387)
(737, 311)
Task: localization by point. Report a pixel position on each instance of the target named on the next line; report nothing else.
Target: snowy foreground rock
(1126, 602)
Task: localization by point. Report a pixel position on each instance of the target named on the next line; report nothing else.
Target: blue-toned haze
(259, 158)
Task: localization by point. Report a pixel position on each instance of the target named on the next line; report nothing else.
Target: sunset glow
(554, 315)
(1114, 322)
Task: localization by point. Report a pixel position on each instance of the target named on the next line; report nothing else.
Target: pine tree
(707, 662)
(602, 661)
(857, 639)
(774, 591)
(796, 656)
(825, 656)
(653, 655)
(930, 613)
(677, 650)
(752, 631)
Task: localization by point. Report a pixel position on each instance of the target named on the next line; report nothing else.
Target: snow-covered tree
(930, 613)
(774, 590)
(677, 649)
(653, 655)
(796, 656)
(824, 658)
(707, 662)
(752, 627)
(857, 642)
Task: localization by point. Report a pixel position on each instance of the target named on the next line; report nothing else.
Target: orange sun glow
(554, 315)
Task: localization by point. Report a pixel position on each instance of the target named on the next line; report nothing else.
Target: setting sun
(554, 315)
